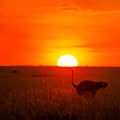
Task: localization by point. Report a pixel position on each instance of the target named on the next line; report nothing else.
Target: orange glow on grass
(67, 61)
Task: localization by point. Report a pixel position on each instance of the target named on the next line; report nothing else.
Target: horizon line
(53, 66)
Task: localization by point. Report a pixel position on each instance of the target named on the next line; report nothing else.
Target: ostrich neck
(73, 79)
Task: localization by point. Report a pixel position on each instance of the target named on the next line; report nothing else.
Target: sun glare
(67, 61)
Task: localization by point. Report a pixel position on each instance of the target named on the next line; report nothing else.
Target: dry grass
(42, 101)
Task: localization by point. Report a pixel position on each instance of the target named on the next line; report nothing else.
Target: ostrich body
(88, 86)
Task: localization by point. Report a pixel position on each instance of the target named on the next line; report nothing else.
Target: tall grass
(45, 98)
(55, 103)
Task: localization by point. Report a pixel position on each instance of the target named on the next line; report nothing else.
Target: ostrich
(88, 86)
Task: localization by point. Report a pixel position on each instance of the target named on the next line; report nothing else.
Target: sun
(67, 61)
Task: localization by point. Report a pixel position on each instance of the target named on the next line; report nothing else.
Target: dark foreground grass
(47, 94)
(57, 104)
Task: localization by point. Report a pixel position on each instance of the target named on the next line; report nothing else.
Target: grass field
(46, 93)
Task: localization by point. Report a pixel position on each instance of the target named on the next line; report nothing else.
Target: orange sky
(38, 32)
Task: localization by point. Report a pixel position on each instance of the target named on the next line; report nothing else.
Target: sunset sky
(38, 32)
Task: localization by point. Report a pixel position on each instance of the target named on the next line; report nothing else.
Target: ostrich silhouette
(88, 86)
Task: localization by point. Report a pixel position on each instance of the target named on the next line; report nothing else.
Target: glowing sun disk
(67, 60)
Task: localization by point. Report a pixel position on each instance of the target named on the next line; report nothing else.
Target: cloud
(90, 5)
(68, 6)
(99, 4)
(96, 47)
